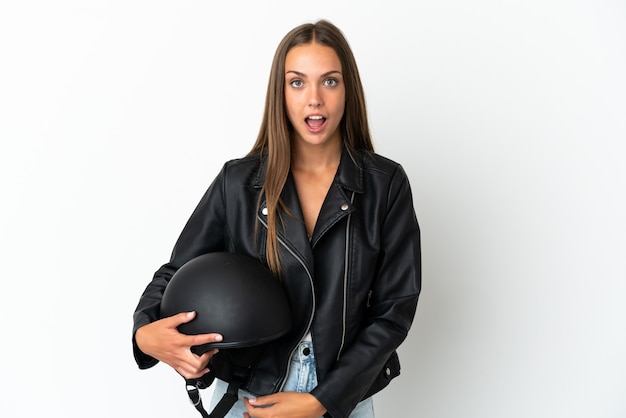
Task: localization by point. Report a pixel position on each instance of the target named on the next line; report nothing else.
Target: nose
(315, 99)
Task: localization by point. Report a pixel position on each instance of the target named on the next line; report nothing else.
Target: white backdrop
(509, 116)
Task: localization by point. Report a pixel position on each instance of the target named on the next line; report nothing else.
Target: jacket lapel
(293, 230)
(339, 201)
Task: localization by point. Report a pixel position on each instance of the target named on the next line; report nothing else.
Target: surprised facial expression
(315, 93)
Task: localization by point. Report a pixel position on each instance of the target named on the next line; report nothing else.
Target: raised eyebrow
(331, 73)
(326, 74)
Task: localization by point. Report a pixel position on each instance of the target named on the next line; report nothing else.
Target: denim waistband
(304, 353)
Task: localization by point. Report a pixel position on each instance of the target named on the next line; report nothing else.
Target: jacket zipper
(293, 350)
(345, 282)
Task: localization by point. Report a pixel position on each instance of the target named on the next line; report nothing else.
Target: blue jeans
(302, 378)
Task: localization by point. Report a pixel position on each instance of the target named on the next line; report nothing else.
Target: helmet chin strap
(241, 361)
(193, 387)
(231, 396)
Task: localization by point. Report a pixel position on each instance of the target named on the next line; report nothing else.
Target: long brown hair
(275, 135)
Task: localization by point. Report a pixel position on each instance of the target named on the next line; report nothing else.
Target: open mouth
(315, 122)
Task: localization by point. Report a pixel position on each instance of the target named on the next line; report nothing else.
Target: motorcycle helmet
(236, 296)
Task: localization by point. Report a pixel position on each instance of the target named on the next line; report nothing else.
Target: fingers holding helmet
(162, 340)
(199, 339)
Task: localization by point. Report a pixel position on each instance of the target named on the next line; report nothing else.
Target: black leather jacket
(354, 285)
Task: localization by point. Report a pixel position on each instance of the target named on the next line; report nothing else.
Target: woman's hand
(284, 405)
(161, 340)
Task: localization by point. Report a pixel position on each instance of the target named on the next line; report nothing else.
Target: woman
(333, 220)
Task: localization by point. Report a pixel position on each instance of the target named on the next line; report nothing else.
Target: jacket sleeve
(393, 302)
(204, 232)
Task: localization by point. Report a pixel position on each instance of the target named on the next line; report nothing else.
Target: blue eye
(296, 83)
(330, 82)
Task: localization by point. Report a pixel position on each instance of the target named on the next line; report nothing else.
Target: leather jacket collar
(349, 174)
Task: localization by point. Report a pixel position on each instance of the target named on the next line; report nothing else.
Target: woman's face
(315, 94)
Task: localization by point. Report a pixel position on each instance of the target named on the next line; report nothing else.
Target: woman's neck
(316, 157)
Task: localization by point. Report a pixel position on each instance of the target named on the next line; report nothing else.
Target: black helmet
(233, 295)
